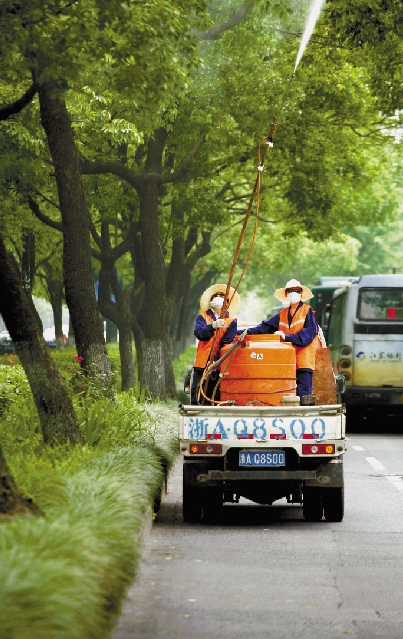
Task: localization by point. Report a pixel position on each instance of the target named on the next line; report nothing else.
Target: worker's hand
(219, 323)
(282, 335)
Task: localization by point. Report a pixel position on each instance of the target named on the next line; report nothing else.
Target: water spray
(310, 25)
(314, 14)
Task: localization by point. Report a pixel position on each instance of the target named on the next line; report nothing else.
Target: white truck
(263, 453)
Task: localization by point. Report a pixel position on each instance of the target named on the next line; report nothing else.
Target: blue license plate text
(262, 458)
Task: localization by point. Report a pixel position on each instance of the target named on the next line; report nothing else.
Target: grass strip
(63, 576)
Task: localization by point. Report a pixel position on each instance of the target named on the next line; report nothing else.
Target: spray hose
(255, 196)
(211, 365)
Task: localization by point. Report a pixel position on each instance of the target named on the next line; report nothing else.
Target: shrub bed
(63, 575)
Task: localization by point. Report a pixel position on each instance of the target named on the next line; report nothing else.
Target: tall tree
(52, 400)
(77, 271)
(53, 403)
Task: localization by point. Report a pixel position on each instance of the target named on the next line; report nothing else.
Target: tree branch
(236, 198)
(111, 166)
(18, 105)
(216, 32)
(123, 247)
(43, 218)
(96, 254)
(46, 199)
(181, 173)
(95, 235)
(298, 34)
(45, 260)
(220, 194)
(200, 251)
(137, 179)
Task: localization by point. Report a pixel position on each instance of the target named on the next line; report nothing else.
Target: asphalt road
(265, 573)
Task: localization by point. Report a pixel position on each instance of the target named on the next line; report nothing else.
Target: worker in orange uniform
(296, 324)
(207, 323)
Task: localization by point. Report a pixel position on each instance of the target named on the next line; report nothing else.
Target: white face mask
(217, 302)
(294, 298)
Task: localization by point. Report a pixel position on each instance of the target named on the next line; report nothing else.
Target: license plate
(266, 458)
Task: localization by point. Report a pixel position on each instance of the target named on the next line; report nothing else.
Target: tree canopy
(164, 108)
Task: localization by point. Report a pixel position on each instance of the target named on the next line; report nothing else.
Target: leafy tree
(53, 403)
(169, 163)
(56, 42)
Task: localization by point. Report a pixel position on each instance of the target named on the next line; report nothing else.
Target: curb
(159, 497)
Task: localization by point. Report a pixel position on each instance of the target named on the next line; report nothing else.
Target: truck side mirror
(186, 385)
(340, 384)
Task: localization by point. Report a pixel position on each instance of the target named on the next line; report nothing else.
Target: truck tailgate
(240, 423)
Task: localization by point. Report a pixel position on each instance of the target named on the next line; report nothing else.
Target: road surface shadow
(244, 514)
(374, 421)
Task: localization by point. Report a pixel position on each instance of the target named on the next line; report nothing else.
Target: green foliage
(335, 165)
(373, 29)
(63, 576)
(183, 364)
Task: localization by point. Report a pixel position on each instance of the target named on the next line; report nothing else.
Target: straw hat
(279, 294)
(220, 288)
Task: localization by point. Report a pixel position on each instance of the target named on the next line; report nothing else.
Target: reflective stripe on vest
(204, 348)
(305, 356)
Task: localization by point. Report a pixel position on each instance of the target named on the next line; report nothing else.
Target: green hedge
(64, 575)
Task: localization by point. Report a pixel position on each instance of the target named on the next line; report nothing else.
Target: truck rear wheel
(333, 504)
(192, 504)
(312, 507)
(213, 503)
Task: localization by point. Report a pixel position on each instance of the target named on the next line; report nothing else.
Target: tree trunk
(12, 501)
(55, 290)
(170, 382)
(77, 272)
(71, 340)
(139, 341)
(52, 400)
(153, 369)
(118, 312)
(126, 357)
(28, 260)
(154, 270)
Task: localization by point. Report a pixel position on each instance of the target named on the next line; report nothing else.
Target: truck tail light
(206, 449)
(318, 449)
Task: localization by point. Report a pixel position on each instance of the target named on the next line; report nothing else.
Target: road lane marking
(393, 478)
(358, 447)
(375, 463)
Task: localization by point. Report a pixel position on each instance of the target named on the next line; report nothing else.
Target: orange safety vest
(204, 348)
(305, 356)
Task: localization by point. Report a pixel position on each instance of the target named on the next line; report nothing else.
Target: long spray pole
(255, 195)
(313, 17)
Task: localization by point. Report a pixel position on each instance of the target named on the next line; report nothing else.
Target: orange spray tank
(262, 370)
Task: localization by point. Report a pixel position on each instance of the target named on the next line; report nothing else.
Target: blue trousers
(304, 381)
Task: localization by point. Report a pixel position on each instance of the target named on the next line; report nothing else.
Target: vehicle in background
(49, 336)
(365, 339)
(323, 294)
(7, 346)
(6, 343)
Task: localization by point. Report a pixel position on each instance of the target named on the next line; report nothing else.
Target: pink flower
(78, 358)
